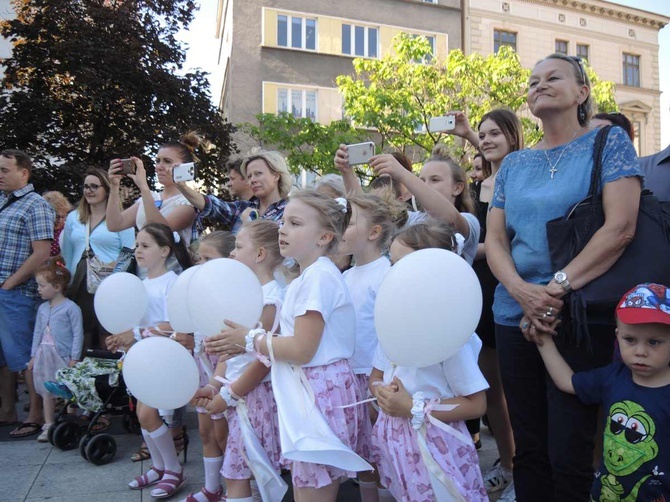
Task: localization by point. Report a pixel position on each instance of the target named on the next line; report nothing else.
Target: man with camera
(26, 232)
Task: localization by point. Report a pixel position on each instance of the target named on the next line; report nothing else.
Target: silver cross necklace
(553, 169)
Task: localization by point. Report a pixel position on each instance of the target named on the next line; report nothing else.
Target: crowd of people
(321, 255)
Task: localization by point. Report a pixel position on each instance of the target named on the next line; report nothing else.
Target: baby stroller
(69, 431)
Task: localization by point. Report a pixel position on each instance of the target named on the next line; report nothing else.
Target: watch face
(560, 276)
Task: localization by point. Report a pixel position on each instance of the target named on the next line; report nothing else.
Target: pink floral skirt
(263, 417)
(401, 469)
(364, 444)
(333, 385)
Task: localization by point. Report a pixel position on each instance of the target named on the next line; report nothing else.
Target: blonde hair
(431, 234)
(464, 201)
(332, 182)
(58, 201)
(333, 217)
(187, 145)
(385, 211)
(276, 163)
(265, 234)
(221, 240)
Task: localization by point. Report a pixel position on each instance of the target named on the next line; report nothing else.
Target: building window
(631, 70)
(501, 38)
(431, 42)
(300, 103)
(359, 40)
(296, 32)
(583, 51)
(561, 47)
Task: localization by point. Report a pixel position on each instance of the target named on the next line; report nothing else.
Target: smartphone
(442, 124)
(360, 153)
(183, 172)
(127, 166)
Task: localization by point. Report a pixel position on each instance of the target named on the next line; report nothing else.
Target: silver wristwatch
(562, 278)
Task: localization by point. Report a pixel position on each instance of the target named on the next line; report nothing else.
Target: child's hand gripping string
(227, 343)
(394, 400)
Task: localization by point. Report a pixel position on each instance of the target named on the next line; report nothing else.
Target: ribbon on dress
(304, 434)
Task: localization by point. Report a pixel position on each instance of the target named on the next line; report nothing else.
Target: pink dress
(47, 362)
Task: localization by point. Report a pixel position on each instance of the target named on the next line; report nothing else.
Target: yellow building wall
(270, 27)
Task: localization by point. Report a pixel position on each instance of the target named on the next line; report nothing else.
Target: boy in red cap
(635, 393)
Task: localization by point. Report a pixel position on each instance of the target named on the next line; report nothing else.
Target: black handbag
(645, 259)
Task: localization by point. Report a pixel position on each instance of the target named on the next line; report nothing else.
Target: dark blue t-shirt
(636, 447)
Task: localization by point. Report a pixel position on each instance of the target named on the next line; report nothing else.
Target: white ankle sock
(368, 491)
(213, 473)
(165, 444)
(384, 495)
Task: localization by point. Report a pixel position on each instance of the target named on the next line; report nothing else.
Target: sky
(203, 51)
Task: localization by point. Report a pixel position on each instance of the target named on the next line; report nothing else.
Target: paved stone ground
(32, 471)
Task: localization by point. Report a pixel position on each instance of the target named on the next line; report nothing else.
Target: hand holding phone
(360, 153)
(183, 172)
(127, 167)
(442, 124)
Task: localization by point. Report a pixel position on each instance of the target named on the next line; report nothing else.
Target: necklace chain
(553, 169)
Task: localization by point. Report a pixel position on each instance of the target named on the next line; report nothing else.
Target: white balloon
(427, 307)
(224, 289)
(161, 373)
(120, 302)
(177, 303)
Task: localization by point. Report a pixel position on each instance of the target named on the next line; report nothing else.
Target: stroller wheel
(101, 449)
(66, 436)
(50, 433)
(83, 443)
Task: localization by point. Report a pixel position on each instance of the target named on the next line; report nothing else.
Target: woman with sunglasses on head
(168, 207)
(106, 245)
(553, 431)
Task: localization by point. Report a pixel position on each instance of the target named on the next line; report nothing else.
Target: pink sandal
(211, 497)
(168, 487)
(143, 480)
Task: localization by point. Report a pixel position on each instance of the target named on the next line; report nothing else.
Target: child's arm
(205, 394)
(77, 323)
(251, 378)
(301, 347)
(560, 372)
(37, 333)
(469, 407)
(268, 317)
(376, 378)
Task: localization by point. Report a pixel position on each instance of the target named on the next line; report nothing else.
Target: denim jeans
(553, 431)
(17, 322)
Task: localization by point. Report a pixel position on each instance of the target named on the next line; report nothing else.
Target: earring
(581, 114)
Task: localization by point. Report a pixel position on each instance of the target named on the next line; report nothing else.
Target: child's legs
(237, 488)
(221, 433)
(210, 447)
(49, 404)
(326, 493)
(148, 417)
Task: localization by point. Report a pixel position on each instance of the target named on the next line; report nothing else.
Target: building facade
(620, 43)
(285, 55)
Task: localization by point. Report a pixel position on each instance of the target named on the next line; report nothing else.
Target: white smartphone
(442, 124)
(360, 153)
(183, 172)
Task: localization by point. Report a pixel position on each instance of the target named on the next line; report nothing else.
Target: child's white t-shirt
(157, 291)
(236, 365)
(321, 288)
(363, 282)
(457, 376)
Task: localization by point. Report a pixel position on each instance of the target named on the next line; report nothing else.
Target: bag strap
(12, 199)
(596, 172)
(89, 231)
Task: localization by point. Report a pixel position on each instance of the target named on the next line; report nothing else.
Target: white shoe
(44, 435)
(508, 494)
(496, 479)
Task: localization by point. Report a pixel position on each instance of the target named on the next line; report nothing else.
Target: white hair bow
(342, 202)
(177, 239)
(460, 243)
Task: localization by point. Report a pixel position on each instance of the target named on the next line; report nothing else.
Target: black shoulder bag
(646, 259)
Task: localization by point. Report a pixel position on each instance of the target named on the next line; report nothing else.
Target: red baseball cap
(645, 303)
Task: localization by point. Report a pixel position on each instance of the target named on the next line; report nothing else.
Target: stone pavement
(32, 471)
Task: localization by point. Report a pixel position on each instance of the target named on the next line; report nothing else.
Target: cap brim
(642, 316)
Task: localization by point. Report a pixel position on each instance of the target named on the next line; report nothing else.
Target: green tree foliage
(307, 145)
(92, 80)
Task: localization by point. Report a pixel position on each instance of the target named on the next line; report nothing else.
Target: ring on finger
(544, 316)
(551, 311)
(525, 325)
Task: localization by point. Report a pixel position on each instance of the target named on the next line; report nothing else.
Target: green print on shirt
(628, 444)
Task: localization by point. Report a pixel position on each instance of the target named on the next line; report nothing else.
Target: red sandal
(211, 497)
(143, 480)
(168, 487)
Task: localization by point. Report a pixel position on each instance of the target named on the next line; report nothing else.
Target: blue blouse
(530, 198)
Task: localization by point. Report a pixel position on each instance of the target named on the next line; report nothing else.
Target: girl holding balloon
(422, 448)
(373, 221)
(213, 428)
(155, 244)
(248, 380)
(317, 338)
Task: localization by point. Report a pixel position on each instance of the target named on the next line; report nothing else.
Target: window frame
(582, 56)
(633, 66)
(366, 40)
(500, 33)
(303, 101)
(567, 46)
(303, 32)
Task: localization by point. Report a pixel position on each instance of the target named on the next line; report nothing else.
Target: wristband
(418, 410)
(137, 333)
(227, 396)
(214, 389)
(250, 337)
(257, 343)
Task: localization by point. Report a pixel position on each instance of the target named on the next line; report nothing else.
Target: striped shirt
(230, 213)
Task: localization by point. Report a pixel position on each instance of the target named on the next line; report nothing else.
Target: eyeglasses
(91, 188)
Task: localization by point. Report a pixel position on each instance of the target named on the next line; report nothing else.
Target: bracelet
(250, 338)
(227, 396)
(257, 343)
(214, 389)
(418, 410)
